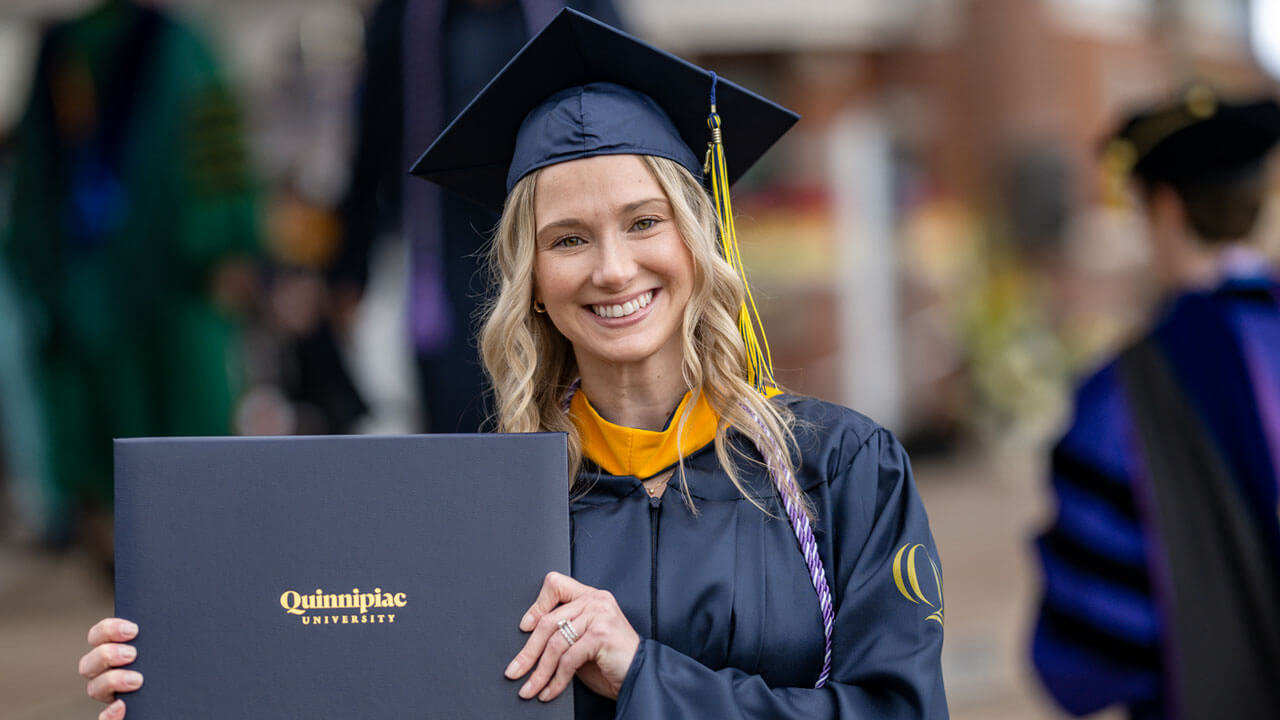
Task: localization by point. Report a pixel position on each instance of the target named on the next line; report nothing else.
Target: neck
(1180, 260)
(634, 395)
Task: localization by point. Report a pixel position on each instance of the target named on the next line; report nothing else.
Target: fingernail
(116, 709)
(133, 680)
(545, 696)
(513, 670)
(128, 653)
(128, 628)
(524, 691)
(526, 623)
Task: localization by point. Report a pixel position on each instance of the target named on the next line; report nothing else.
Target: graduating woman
(738, 552)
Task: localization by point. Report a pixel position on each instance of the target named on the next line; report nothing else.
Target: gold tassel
(759, 358)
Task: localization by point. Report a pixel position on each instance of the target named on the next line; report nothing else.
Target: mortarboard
(580, 88)
(1197, 138)
(474, 155)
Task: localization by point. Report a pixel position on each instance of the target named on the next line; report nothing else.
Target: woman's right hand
(101, 665)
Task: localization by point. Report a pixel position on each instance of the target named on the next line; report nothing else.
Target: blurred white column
(867, 266)
(1264, 30)
(381, 354)
(19, 43)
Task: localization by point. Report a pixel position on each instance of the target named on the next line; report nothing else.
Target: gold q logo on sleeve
(906, 576)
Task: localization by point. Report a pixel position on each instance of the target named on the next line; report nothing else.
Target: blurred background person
(1162, 566)
(35, 498)
(132, 217)
(425, 60)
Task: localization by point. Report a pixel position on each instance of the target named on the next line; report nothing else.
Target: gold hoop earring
(538, 307)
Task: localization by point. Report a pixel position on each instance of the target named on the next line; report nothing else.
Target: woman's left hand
(605, 645)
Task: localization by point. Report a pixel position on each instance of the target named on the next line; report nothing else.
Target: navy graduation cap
(1197, 138)
(581, 88)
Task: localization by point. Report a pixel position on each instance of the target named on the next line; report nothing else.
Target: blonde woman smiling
(738, 552)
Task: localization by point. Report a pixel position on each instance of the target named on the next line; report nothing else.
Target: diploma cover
(336, 577)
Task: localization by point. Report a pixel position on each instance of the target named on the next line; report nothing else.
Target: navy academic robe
(1162, 563)
(722, 601)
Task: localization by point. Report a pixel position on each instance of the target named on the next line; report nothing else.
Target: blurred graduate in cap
(737, 551)
(1162, 566)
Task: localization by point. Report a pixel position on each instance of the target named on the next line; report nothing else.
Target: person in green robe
(134, 215)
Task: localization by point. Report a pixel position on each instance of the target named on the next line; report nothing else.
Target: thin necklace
(653, 491)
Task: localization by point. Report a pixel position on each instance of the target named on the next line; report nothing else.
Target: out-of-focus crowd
(173, 265)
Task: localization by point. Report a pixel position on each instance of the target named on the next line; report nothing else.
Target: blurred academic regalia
(1162, 566)
(132, 202)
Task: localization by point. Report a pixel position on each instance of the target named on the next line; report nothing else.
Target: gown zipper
(655, 513)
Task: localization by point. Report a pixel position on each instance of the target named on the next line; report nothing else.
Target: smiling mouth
(629, 307)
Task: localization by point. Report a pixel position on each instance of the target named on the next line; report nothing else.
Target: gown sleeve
(887, 636)
(1097, 636)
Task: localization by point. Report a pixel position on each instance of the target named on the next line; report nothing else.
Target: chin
(637, 351)
(625, 357)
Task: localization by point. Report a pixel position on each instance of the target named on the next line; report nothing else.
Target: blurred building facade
(936, 237)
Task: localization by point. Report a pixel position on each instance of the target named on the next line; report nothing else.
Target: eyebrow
(571, 222)
(561, 223)
(633, 206)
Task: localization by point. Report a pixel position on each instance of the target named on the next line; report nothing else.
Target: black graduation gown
(722, 600)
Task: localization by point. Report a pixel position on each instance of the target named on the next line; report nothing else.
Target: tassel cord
(759, 354)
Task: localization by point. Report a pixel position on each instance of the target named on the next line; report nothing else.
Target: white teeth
(625, 309)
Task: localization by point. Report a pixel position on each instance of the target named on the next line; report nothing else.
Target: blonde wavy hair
(532, 366)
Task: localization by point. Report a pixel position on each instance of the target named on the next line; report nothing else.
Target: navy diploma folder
(336, 577)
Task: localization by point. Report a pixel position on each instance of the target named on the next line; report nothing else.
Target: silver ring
(567, 632)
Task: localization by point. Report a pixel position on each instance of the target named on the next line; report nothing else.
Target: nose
(615, 267)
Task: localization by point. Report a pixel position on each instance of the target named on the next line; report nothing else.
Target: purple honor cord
(783, 481)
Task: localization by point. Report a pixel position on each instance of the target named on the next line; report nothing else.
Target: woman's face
(610, 265)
